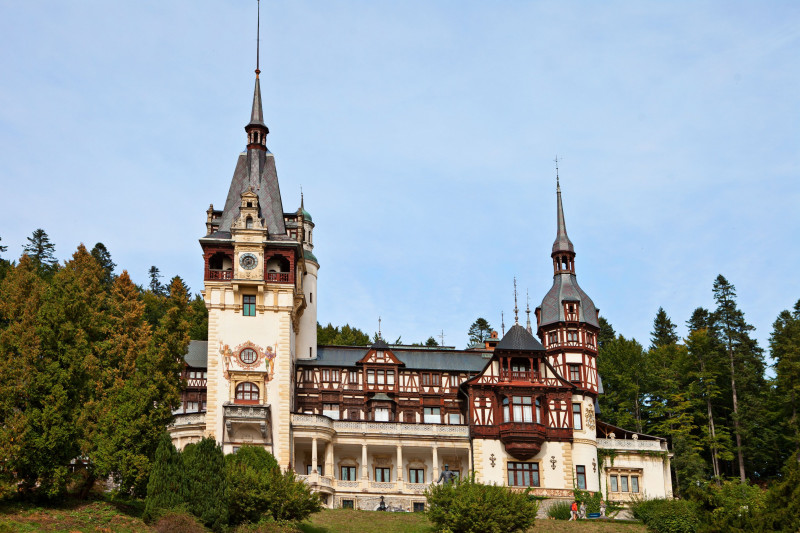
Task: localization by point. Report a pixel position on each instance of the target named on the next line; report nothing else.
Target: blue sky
(423, 135)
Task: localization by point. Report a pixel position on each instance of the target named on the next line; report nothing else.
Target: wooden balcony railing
(520, 375)
(279, 277)
(196, 383)
(222, 275)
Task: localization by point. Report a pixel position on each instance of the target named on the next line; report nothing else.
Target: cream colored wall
(307, 335)
(550, 478)
(656, 479)
(270, 327)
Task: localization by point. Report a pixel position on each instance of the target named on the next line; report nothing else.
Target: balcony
(196, 383)
(522, 440)
(219, 275)
(362, 427)
(188, 419)
(520, 375)
(279, 277)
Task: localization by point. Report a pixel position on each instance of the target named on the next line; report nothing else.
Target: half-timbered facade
(359, 423)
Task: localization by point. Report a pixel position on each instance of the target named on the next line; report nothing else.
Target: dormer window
(248, 223)
(249, 204)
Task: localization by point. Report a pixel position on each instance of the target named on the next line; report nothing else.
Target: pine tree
(623, 366)
(199, 319)
(165, 485)
(103, 257)
(784, 345)
(664, 330)
(42, 251)
(21, 294)
(204, 486)
(155, 280)
(479, 331)
(744, 356)
(431, 342)
(606, 334)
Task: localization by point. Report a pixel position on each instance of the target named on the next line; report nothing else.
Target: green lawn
(107, 517)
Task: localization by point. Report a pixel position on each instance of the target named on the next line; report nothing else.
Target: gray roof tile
(197, 355)
(448, 360)
(518, 339)
(565, 289)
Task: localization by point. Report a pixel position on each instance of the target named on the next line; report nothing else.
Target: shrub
(257, 489)
(591, 500)
(559, 510)
(782, 510)
(466, 506)
(204, 487)
(736, 507)
(165, 483)
(667, 516)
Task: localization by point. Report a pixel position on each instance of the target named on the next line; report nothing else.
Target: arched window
(247, 392)
(248, 223)
(248, 356)
(506, 413)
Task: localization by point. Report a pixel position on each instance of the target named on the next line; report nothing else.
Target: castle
(361, 423)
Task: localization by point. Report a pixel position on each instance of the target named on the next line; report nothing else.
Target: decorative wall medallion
(248, 261)
(248, 356)
(553, 462)
(594, 464)
(492, 460)
(590, 417)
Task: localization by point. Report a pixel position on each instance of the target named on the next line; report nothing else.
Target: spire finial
(441, 336)
(380, 335)
(562, 243)
(258, 35)
(516, 310)
(503, 323)
(528, 309)
(558, 185)
(301, 198)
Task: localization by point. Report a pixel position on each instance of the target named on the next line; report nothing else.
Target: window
(248, 356)
(308, 470)
(390, 377)
(248, 222)
(506, 412)
(572, 335)
(580, 472)
(383, 473)
(308, 376)
(381, 414)
(331, 410)
(347, 504)
(574, 372)
(348, 474)
(432, 415)
(431, 380)
(590, 339)
(247, 392)
(330, 375)
(192, 407)
(416, 475)
(577, 422)
(454, 418)
(352, 377)
(249, 305)
(623, 485)
(419, 507)
(523, 410)
(519, 365)
(523, 474)
(635, 484)
(614, 484)
(552, 338)
(538, 411)
(370, 377)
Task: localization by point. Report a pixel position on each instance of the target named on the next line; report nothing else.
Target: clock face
(248, 261)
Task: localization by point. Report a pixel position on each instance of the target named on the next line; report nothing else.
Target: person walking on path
(573, 512)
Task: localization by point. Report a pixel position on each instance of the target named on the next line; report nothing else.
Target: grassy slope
(105, 517)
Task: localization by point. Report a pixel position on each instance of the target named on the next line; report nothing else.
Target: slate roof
(565, 288)
(450, 360)
(197, 355)
(518, 339)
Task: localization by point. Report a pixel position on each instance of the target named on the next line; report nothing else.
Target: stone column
(329, 460)
(364, 467)
(399, 463)
(469, 463)
(314, 455)
(435, 464)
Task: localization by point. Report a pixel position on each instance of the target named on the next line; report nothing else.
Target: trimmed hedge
(667, 516)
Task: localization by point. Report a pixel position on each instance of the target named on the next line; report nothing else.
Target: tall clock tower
(260, 276)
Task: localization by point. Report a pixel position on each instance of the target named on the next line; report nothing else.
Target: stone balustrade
(188, 419)
(631, 444)
(361, 427)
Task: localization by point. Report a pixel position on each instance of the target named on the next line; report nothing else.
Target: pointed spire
(516, 310)
(503, 323)
(256, 129)
(302, 206)
(528, 311)
(562, 242)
